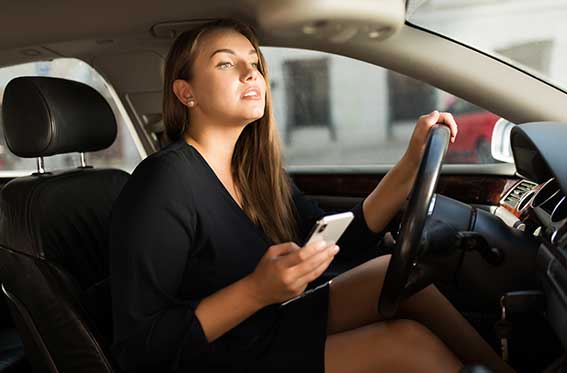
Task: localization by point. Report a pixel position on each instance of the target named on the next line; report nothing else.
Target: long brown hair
(257, 167)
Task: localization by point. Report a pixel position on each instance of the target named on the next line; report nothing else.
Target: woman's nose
(250, 72)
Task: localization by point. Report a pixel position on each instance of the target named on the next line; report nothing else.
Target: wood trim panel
(477, 189)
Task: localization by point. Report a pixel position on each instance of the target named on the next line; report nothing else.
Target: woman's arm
(282, 273)
(384, 201)
(151, 247)
(238, 297)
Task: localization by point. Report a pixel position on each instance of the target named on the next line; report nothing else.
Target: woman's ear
(182, 90)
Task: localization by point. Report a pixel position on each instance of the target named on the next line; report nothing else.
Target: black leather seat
(54, 225)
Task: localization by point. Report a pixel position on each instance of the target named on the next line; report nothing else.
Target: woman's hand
(419, 136)
(285, 270)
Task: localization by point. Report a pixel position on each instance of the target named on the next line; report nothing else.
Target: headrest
(46, 116)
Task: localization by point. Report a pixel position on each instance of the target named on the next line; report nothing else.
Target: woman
(203, 252)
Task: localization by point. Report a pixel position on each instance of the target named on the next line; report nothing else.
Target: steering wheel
(402, 276)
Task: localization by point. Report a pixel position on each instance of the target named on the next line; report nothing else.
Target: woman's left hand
(419, 136)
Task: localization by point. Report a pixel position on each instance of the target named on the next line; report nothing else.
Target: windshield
(532, 34)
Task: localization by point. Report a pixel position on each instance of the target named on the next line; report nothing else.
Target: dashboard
(541, 209)
(538, 204)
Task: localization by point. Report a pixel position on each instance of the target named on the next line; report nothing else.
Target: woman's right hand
(286, 269)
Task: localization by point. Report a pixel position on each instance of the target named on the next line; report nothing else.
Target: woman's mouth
(251, 93)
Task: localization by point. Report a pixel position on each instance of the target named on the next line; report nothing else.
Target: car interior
(492, 237)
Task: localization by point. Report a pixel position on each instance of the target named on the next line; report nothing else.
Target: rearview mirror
(501, 148)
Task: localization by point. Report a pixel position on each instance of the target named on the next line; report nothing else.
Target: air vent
(553, 201)
(514, 196)
(548, 196)
(560, 211)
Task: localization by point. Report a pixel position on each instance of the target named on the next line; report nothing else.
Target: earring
(191, 103)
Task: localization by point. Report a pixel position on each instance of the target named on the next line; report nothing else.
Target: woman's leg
(353, 304)
(389, 346)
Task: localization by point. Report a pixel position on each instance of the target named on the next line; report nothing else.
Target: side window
(126, 151)
(333, 110)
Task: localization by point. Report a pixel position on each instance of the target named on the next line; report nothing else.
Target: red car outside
(475, 133)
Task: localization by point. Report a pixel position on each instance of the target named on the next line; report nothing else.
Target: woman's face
(227, 84)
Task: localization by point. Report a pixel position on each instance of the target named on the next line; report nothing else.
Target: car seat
(54, 225)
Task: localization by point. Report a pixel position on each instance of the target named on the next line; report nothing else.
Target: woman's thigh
(388, 346)
(353, 298)
(354, 295)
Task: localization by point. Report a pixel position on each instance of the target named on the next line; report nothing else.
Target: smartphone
(330, 228)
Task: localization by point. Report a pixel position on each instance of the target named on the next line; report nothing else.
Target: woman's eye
(224, 65)
(256, 65)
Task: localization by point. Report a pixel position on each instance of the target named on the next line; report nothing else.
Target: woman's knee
(410, 331)
(383, 260)
(421, 343)
(396, 346)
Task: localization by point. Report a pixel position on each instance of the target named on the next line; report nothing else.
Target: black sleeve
(152, 230)
(356, 236)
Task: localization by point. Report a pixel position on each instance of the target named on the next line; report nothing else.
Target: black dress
(178, 236)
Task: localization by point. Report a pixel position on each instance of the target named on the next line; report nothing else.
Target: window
(125, 153)
(336, 111)
(307, 96)
(529, 33)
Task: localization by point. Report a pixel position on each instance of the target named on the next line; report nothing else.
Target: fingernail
(321, 245)
(335, 249)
